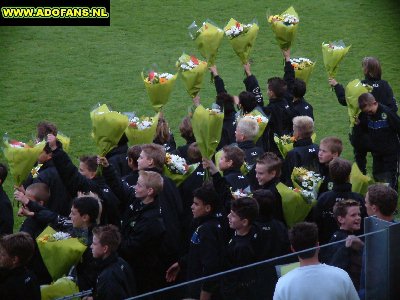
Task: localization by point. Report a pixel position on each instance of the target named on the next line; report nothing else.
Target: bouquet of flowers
(284, 143)
(107, 128)
(59, 251)
(141, 130)
(333, 53)
(307, 182)
(240, 193)
(65, 141)
(262, 122)
(208, 39)
(177, 169)
(192, 71)
(241, 37)
(303, 67)
(207, 128)
(353, 90)
(359, 181)
(295, 209)
(159, 87)
(63, 286)
(21, 157)
(285, 27)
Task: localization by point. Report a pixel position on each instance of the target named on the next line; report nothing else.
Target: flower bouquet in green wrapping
(59, 251)
(192, 71)
(353, 90)
(359, 181)
(284, 27)
(332, 54)
(307, 182)
(285, 143)
(295, 209)
(207, 39)
(62, 287)
(261, 120)
(107, 128)
(177, 169)
(242, 37)
(207, 128)
(159, 87)
(21, 157)
(303, 67)
(65, 141)
(141, 130)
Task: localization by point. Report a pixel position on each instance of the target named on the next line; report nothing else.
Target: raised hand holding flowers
(285, 27)
(332, 54)
(303, 67)
(192, 71)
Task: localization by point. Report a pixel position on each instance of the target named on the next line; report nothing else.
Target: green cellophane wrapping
(353, 90)
(332, 59)
(107, 128)
(62, 287)
(179, 178)
(359, 181)
(140, 137)
(59, 256)
(284, 34)
(65, 141)
(295, 208)
(208, 42)
(207, 128)
(159, 92)
(243, 43)
(21, 160)
(285, 148)
(305, 73)
(193, 79)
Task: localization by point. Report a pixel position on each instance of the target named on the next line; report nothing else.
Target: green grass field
(60, 73)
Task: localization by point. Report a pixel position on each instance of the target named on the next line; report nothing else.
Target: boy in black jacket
(6, 211)
(133, 155)
(299, 105)
(115, 280)
(382, 126)
(206, 250)
(16, 281)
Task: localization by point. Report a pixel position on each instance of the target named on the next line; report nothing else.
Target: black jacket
(236, 180)
(301, 107)
(119, 159)
(278, 212)
(18, 283)
(252, 86)
(6, 214)
(131, 178)
(251, 151)
(182, 150)
(323, 210)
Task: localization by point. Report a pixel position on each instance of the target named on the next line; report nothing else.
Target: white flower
(58, 236)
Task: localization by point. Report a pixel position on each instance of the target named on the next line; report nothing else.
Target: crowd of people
(143, 232)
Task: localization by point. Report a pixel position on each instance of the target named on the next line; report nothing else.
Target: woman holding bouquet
(383, 94)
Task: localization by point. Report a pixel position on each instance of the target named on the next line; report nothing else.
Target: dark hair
(134, 153)
(266, 202)
(162, 131)
(235, 154)
(303, 236)
(339, 170)
(271, 161)
(193, 153)
(44, 128)
(226, 102)
(341, 207)
(207, 194)
(108, 235)
(245, 208)
(186, 129)
(87, 206)
(248, 101)
(20, 245)
(277, 86)
(40, 191)
(384, 197)
(372, 68)
(299, 88)
(365, 99)
(3, 173)
(90, 162)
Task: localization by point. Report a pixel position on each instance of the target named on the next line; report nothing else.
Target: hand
(20, 188)
(247, 70)
(196, 100)
(332, 82)
(102, 161)
(52, 140)
(286, 54)
(25, 212)
(213, 70)
(20, 197)
(172, 272)
(209, 164)
(354, 242)
(356, 121)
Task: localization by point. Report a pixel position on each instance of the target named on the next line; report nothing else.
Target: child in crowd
(346, 255)
(118, 156)
(115, 280)
(329, 148)
(207, 244)
(186, 130)
(304, 152)
(382, 127)
(6, 211)
(164, 136)
(231, 161)
(339, 170)
(299, 105)
(381, 201)
(133, 154)
(16, 281)
(45, 128)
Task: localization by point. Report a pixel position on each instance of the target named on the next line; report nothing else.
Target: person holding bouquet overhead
(383, 94)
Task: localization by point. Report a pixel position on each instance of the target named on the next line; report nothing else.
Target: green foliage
(60, 73)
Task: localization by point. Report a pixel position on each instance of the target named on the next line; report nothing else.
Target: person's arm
(394, 121)
(339, 91)
(289, 74)
(218, 82)
(252, 85)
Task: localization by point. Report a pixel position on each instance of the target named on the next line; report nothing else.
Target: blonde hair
(248, 127)
(304, 126)
(156, 153)
(333, 143)
(152, 180)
